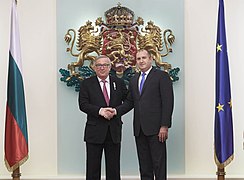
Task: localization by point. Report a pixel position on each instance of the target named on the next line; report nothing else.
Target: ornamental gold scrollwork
(152, 41)
(87, 43)
(119, 37)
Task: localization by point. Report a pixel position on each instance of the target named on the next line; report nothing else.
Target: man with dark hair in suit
(151, 95)
(102, 131)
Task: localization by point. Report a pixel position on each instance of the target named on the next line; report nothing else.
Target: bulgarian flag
(16, 137)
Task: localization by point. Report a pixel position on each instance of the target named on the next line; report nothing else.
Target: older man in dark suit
(151, 95)
(101, 134)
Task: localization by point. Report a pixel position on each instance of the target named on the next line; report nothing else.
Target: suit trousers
(152, 157)
(112, 159)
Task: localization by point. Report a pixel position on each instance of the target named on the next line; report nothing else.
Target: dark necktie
(142, 82)
(105, 92)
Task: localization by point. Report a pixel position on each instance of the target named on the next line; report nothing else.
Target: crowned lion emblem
(118, 37)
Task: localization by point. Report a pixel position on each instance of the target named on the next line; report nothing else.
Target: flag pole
(223, 126)
(16, 174)
(221, 173)
(16, 135)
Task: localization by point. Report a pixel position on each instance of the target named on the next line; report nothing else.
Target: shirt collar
(147, 72)
(107, 79)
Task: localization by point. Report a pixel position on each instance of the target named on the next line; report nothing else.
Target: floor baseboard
(183, 177)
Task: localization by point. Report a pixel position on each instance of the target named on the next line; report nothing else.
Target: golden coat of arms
(118, 37)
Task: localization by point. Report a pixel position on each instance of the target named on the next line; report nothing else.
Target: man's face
(102, 67)
(143, 60)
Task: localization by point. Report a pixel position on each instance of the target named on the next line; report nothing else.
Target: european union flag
(223, 139)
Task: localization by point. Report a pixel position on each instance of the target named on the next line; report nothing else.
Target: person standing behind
(151, 95)
(102, 134)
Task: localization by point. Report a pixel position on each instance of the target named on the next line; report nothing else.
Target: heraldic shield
(118, 37)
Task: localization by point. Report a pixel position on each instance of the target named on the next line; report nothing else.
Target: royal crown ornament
(119, 38)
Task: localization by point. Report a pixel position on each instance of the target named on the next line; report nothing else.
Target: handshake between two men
(107, 112)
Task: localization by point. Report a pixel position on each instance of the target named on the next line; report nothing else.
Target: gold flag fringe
(15, 166)
(224, 164)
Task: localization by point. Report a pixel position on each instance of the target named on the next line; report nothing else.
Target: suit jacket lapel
(112, 89)
(135, 84)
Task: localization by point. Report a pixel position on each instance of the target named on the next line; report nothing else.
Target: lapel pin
(114, 85)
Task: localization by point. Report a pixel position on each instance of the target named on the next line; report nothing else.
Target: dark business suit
(100, 133)
(152, 109)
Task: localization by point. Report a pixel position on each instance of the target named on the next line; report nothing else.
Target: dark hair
(140, 50)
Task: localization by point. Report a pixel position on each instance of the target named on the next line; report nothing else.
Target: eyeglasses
(102, 65)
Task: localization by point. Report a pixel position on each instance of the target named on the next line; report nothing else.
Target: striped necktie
(105, 92)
